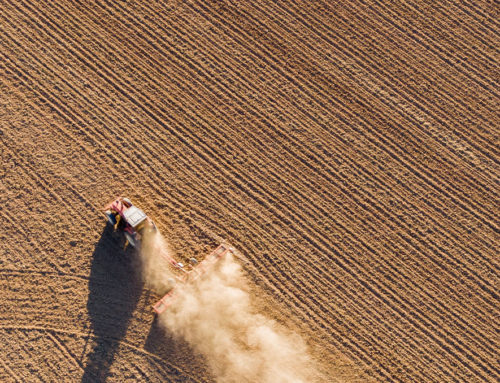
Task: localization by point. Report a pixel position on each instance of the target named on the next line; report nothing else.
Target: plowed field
(349, 150)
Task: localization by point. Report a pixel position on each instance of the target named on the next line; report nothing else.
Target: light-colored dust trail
(215, 315)
(155, 270)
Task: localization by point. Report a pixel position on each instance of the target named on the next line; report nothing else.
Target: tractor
(128, 218)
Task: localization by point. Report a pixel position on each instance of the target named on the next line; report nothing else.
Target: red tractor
(127, 217)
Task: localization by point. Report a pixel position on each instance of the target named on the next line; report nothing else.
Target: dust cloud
(214, 315)
(155, 270)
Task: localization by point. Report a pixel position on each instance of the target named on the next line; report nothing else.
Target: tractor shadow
(115, 287)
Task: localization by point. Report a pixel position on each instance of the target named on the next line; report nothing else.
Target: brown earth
(349, 151)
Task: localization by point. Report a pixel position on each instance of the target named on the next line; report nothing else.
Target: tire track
(65, 351)
(10, 371)
(53, 332)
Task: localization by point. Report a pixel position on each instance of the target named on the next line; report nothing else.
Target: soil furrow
(424, 173)
(384, 77)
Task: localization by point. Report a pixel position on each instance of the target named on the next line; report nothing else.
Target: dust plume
(214, 314)
(155, 270)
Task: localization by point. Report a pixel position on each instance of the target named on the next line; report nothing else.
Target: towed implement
(188, 275)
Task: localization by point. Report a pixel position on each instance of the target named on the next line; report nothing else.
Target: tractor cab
(127, 217)
(134, 216)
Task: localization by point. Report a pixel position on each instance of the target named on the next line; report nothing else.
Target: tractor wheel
(131, 240)
(111, 218)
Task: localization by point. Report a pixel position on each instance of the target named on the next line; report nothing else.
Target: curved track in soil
(350, 152)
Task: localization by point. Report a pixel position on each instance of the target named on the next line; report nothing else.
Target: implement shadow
(115, 287)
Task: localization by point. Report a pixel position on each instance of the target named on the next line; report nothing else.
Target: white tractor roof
(134, 216)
